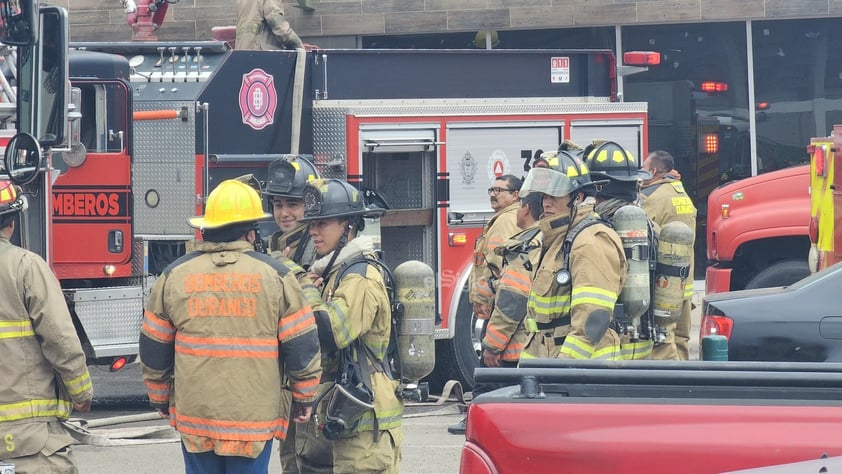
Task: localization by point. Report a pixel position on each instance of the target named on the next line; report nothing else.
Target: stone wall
(104, 20)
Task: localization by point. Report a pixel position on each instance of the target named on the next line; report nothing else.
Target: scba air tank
(632, 225)
(675, 247)
(416, 294)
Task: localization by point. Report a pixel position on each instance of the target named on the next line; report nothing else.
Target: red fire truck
(162, 123)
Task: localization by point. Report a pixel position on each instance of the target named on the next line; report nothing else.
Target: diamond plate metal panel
(165, 161)
(111, 318)
(329, 141)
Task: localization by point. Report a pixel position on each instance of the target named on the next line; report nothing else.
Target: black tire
(783, 273)
(457, 358)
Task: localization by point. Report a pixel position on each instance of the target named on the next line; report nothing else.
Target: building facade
(742, 86)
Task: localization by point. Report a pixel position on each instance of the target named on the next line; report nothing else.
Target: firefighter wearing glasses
(221, 318)
(361, 414)
(503, 195)
(43, 370)
(580, 272)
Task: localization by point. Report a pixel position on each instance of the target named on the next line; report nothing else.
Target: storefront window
(798, 87)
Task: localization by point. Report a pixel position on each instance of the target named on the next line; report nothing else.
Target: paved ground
(427, 449)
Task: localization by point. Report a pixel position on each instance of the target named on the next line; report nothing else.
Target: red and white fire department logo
(258, 99)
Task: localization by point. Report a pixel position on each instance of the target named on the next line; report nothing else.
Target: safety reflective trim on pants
(35, 409)
(160, 328)
(549, 305)
(222, 347)
(593, 295)
(15, 329)
(80, 384)
(385, 420)
(238, 430)
(636, 350)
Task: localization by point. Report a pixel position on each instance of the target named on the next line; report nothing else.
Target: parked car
(800, 323)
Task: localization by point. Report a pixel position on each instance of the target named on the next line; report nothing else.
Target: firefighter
(261, 25)
(503, 195)
(354, 321)
(221, 318)
(665, 200)
(505, 334)
(617, 168)
(43, 370)
(575, 285)
(285, 188)
(304, 449)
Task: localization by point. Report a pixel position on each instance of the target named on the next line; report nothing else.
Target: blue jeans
(212, 463)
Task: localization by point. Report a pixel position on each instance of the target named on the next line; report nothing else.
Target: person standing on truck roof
(261, 25)
(305, 449)
(362, 413)
(503, 195)
(617, 167)
(580, 270)
(505, 335)
(665, 200)
(44, 371)
(221, 318)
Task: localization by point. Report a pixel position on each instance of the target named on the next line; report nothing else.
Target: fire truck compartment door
(480, 152)
(400, 140)
(627, 133)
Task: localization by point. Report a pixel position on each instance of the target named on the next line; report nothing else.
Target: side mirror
(18, 22)
(43, 85)
(23, 158)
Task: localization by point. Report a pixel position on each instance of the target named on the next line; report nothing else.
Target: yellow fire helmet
(11, 199)
(231, 202)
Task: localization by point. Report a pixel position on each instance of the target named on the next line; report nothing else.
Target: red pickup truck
(651, 417)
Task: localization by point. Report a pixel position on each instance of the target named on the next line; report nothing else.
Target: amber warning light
(641, 58)
(710, 143)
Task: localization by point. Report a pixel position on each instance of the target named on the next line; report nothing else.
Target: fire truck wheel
(785, 272)
(457, 358)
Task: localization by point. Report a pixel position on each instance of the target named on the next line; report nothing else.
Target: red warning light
(714, 87)
(818, 161)
(641, 58)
